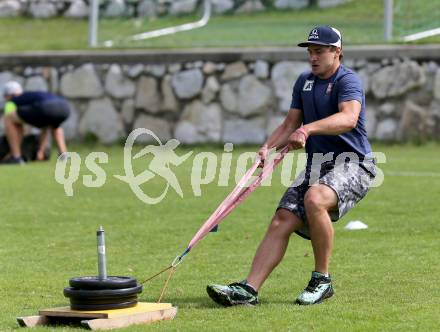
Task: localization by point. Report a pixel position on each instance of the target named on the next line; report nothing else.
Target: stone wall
(145, 8)
(236, 96)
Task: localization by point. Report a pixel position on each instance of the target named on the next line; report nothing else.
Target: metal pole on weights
(102, 269)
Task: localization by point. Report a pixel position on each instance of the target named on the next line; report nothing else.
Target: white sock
(322, 274)
(248, 284)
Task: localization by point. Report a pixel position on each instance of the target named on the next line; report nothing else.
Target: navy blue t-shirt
(319, 98)
(33, 98)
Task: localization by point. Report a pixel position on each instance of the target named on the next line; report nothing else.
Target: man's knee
(284, 222)
(320, 197)
(12, 118)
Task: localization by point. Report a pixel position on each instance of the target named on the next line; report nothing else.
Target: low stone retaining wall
(236, 96)
(79, 9)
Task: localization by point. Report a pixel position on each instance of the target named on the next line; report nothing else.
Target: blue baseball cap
(323, 35)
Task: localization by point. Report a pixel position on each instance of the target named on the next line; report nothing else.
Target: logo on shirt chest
(308, 85)
(329, 89)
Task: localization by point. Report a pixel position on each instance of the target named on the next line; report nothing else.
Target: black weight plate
(103, 306)
(101, 293)
(103, 301)
(111, 282)
(91, 298)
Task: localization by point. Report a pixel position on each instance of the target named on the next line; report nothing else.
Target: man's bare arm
(280, 135)
(44, 139)
(341, 122)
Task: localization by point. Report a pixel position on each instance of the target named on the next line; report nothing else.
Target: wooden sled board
(133, 319)
(139, 308)
(142, 313)
(31, 321)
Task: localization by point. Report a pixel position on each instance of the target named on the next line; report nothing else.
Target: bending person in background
(43, 110)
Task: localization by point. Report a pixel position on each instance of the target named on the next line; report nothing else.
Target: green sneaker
(233, 294)
(318, 289)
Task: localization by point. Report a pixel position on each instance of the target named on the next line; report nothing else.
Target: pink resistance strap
(238, 195)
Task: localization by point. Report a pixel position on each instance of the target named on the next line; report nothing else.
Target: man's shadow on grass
(199, 302)
(204, 302)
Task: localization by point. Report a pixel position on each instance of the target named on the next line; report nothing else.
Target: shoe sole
(218, 297)
(327, 295)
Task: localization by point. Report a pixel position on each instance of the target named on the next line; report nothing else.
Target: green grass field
(386, 278)
(360, 24)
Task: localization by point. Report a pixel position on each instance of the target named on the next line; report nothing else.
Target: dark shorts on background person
(50, 113)
(350, 181)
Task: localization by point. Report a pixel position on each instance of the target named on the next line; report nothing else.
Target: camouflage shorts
(349, 180)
